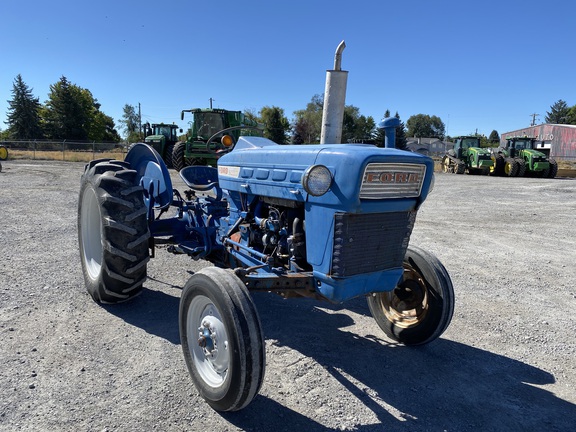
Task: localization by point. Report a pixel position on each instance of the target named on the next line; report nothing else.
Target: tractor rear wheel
(168, 155)
(3, 152)
(446, 165)
(222, 339)
(112, 231)
(178, 161)
(421, 306)
(553, 170)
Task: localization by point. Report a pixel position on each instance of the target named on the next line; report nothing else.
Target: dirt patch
(507, 362)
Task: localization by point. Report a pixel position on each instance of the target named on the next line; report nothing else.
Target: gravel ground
(507, 362)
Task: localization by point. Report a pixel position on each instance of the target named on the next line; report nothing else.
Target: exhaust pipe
(334, 100)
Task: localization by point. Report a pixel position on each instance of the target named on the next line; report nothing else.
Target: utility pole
(534, 115)
(211, 100)
(139, 120)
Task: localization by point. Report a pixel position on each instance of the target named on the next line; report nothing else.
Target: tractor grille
(392, 180)
(370, 242)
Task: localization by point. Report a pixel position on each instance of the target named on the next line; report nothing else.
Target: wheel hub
(212, 341)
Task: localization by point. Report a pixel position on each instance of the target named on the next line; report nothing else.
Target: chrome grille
(392, 180)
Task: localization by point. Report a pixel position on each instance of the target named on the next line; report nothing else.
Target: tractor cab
(462, 145)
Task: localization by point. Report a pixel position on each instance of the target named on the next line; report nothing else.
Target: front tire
(222, 339)
(112, 231)
(421, 306)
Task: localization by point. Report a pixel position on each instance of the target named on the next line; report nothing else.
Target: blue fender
(153, 174)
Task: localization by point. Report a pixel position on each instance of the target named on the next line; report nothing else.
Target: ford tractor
(212, 133)
(162, 137)
(327, 221)
(467, 156)
(518, 158)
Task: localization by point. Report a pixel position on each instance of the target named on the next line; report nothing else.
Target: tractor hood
(479, 151)
(362, 174)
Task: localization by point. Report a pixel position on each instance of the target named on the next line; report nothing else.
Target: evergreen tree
(401, 141)
(67, 111)
(559, 113)
(23, 112)
(494, 138)
(276, 124)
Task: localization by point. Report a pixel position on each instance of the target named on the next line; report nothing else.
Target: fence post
(93, 149)
(34, 153)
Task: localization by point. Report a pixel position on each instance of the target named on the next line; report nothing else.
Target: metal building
(556, 140)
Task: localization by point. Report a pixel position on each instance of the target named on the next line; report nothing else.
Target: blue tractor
(327, 221)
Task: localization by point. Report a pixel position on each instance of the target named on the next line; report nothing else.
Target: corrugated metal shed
(559, 140)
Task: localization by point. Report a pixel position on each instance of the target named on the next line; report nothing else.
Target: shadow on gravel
(441, 386)
(153, 311)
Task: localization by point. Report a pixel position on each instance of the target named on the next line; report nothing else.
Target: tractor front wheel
(421, 306)
(511, 167)
(3, 152)
(222, 339)
(112, 231)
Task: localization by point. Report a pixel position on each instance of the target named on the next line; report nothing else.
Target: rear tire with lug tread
(178, 162)
(112, 231)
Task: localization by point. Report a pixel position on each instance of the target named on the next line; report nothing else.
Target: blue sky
(482, 65)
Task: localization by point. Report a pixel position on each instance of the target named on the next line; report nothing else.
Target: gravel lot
(507, 362)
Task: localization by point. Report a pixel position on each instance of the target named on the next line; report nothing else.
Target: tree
(559, 113)
(276, 124)
(401, 141)
(425, 126)
(356, 127)
(72, 113)
(67, 111)
(24, 120)
(494, 138)
(308, 122)
(572, 115)
(130, 123)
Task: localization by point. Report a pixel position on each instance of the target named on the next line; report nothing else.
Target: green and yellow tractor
(467, 156)
(212, 134)
(518, 158)
(162, 137)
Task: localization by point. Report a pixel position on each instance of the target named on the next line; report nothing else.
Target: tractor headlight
(317, 180)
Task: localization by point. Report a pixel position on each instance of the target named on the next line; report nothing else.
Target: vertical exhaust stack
(334, 100)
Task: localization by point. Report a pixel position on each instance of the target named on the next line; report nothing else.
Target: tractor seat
(201, 178)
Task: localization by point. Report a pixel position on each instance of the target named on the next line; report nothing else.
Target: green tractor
(212, 134)
(467, 156)
(162, 137)
(518, 158)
